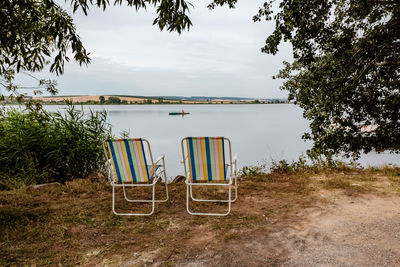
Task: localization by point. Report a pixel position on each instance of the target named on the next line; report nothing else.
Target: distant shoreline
(152, 100)
(174, 104)
(156, 104)
(168, 100)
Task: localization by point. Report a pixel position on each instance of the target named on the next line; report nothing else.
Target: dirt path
(354, 232)
(361, 231)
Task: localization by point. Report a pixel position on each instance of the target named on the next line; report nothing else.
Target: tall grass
(37, 146)
(301, 166)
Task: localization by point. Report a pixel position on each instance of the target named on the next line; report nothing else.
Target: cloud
(219, 56)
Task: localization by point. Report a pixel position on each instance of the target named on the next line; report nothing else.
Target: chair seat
(202, 178)
(152, 170)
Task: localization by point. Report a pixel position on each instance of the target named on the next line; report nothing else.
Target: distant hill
(208, 98)
(132, 99)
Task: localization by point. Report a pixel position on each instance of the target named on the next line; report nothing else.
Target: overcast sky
(219, 56)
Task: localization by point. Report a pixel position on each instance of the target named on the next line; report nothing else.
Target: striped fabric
(129, 161)
(206, 156)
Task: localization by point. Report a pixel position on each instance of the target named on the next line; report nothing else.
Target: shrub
(252, 170)
(301, 166)
(313, 165)
(37, 146)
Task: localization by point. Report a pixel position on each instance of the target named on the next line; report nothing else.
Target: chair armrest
(110, 171)
(234, 164)
(155, 180)
(159, 158)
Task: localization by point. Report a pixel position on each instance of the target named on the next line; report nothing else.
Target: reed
(37, 146)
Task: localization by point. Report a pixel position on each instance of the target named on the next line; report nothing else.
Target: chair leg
(165, 180)
(214, 200)
(135, 214)
(229, 201)
(145, 200)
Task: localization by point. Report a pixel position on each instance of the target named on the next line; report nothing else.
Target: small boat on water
(179, 113)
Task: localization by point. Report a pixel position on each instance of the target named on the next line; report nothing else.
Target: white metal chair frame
(156, 176)
(190, 183)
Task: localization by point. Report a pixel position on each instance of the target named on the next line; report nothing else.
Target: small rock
(96, 252)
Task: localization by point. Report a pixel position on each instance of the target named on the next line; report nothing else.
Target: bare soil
(361, 231)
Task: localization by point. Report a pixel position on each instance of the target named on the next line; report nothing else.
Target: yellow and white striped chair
(205, 165)
(132, 169)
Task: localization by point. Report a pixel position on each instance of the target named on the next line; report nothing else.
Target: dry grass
(73, 224)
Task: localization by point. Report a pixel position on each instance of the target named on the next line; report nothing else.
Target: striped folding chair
(205, 164)
(131, 169)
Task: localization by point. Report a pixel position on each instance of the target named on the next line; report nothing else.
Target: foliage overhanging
(346, 70)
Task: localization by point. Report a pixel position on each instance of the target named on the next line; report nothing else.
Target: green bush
(315, 165)
(252, 170)
(37, 146)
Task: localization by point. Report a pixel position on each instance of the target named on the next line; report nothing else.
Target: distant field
(134, 99)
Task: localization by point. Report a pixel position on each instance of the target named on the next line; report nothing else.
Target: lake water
(258, 133)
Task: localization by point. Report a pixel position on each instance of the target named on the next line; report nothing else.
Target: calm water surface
(258, 133)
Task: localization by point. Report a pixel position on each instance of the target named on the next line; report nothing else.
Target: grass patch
(63, 225)
(231, 236)
(337, 183)
(395, 182)
(391, 172)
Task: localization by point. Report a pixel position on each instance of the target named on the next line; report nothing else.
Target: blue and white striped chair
(205, 164)
(132, 169)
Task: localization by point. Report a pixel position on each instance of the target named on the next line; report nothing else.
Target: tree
(114, 100)
(102, 99)
(346, 70)
(36, 33)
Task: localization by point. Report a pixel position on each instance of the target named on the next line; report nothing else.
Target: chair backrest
(206, 157)
(128, 159)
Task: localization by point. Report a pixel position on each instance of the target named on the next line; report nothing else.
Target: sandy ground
(361, 231)
(354, 232)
